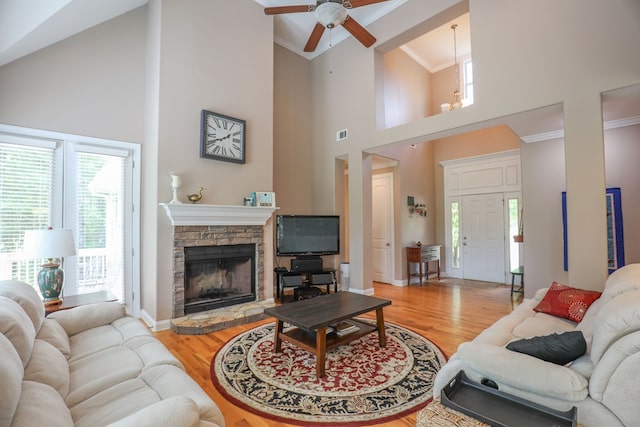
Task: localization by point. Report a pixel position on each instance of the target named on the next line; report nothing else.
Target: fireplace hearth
(219, 276)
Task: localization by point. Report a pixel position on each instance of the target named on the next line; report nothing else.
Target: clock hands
(218, 139)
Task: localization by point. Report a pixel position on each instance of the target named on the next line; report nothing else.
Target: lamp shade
(49, 243)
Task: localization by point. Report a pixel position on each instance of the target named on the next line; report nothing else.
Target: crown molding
(611, 124)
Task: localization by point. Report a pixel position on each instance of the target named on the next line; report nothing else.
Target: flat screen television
(307, 235)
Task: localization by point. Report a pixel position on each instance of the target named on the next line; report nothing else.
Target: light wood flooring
(448, 313)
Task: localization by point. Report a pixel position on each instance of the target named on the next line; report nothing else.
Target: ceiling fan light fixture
(331, 14)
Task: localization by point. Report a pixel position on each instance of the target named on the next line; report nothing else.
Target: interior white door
(382, 227)
(483, 237)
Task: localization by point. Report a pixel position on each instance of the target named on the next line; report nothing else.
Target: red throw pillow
(567, 302)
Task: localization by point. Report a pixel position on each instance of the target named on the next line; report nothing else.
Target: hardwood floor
(447, 313)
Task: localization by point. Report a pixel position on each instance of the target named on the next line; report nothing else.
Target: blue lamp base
(50, 280)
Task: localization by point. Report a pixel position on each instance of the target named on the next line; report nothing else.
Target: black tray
(499, 409)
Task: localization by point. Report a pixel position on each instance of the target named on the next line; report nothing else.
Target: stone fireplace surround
(213, 235)
(209, 225)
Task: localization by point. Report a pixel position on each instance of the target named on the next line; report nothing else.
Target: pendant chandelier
(455, 101)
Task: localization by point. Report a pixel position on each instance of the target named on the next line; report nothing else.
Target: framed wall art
(615, 231)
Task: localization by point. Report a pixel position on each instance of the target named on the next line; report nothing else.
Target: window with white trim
(85, 186)
(467, 82)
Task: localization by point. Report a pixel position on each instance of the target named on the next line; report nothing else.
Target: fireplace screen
(218, 276)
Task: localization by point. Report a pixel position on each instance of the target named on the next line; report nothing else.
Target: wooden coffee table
(312, 317)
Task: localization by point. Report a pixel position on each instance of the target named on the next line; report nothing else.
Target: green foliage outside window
(455, 235)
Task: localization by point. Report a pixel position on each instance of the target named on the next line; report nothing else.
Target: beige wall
(519, 65)
(292, 132)
(92, 84)
(113, 82)
(200, 69)
(412, 177)
(543, 179)
(144, 77)
(622, 151)
(407, 89)
(543, 167)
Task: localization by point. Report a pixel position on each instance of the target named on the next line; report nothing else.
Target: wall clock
(222, 137)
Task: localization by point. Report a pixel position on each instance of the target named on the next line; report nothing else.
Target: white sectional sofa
(90, 366)
(603, 384)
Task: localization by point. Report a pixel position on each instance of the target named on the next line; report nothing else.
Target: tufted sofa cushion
(176, 411)
(27, 297)
(621, 281)
(156, 384)
(86, 317)
(11, 374)
(90, 366)
(41, 405)
(17, 327)
(48, 366)
(54, 334)
(619, 317)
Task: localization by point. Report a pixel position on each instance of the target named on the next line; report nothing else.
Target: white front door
(382, 227)
(483, 237)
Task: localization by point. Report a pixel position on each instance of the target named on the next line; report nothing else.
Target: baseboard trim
(152, 323)
(369, 291)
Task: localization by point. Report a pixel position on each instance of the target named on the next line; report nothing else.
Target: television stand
(306, 263)
(305, 279)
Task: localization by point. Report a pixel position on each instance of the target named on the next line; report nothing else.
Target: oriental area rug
(364, 383)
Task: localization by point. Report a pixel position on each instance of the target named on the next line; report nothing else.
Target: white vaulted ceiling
(30, 25)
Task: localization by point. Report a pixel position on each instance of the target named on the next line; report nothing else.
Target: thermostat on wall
(264, 198)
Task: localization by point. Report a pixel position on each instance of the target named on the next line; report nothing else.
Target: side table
(423, 255)
(82, 299)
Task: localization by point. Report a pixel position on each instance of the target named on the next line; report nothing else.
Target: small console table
(423, 255)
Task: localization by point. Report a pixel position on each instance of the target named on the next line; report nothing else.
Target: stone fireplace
(230, 239)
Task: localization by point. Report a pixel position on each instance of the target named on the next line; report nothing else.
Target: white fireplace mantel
(197, 214)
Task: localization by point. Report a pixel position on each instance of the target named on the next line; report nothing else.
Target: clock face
(222, 137)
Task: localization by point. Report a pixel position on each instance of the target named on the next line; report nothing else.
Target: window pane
(467, 77)
(100, 223)
(514, 229)
(26, 175)
(455, 235)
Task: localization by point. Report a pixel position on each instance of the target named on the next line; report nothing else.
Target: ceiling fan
(329, 14)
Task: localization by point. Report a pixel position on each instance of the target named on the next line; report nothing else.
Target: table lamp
(50, 244)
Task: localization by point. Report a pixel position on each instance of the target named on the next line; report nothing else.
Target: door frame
(492, 173)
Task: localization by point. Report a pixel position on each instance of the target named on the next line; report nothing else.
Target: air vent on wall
(341, 135)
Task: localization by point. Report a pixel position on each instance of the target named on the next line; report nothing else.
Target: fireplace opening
(219, 276)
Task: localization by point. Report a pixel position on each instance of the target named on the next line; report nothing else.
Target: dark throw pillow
(555, 348)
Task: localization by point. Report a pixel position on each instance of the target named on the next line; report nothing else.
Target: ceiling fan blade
(288, 9)
(358, 3)
(314, 38)
(359, 32)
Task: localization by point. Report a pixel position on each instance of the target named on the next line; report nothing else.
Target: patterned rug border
(357, 423)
